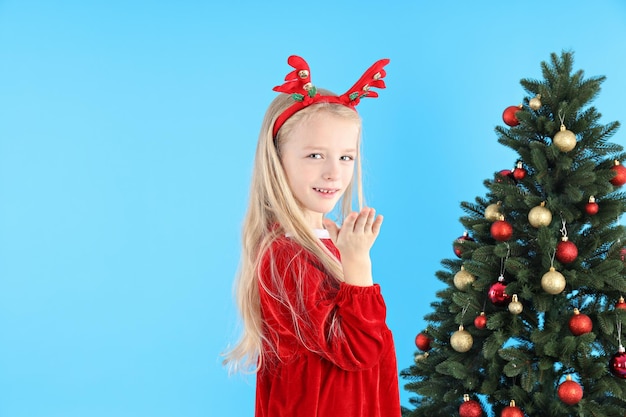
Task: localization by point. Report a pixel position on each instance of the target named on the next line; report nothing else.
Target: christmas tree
(529, 322)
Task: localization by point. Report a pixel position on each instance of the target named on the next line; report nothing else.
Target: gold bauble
(535, 102)
(461, 340)
(515, 307)
(540, 216)
(420, 357)
(564, 139)
(553, 282)
(492, 212)
(463, 279)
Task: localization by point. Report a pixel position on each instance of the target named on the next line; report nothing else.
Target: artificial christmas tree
(530, 358)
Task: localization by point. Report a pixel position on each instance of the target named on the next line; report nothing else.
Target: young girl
(314, 322)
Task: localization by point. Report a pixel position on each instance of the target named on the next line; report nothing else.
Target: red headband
(298, 84)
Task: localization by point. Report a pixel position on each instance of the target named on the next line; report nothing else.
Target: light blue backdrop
(127, 131)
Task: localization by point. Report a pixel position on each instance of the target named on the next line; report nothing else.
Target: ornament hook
(563, 228)
(503, 260)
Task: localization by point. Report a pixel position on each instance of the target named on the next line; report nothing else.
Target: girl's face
(318, 157)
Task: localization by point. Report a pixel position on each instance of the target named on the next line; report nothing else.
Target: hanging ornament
(564, 139)
(591, 208)
(422, 341)
(580, 323)
(620, 304)
(540, 216)
(480, 322)
(420, 357)
(509, 115)
(463, 279)
(553, 282)
(492, 212)
(511, 411)
(515, 307)
(617, 364)
(470, 408)
(504, 175)
(570, 391)
(461, 340)
(519, 173)
(620, 174)
(566, 251)
(535, 102)
(497, 294)
(501, 230)
(457, 245)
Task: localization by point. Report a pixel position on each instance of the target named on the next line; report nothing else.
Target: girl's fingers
(370, 218)
(362, 220)
(377, 224)
(349, 222)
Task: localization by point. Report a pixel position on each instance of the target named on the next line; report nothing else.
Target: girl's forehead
(328, 129)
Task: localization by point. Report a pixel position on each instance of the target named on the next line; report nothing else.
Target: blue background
(127, 132)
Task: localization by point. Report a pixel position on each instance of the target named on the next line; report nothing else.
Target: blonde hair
(272, 212)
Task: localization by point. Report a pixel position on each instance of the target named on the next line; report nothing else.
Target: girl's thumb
(332, 228)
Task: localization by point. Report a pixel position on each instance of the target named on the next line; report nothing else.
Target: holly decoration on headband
(298, 84)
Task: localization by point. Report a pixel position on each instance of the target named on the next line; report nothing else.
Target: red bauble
(519, 173)
(470, 408)
(497, 294)
(512, 411)
(480, 322)
(570, 392)
(620, 174)
(621, 304)
(566, 251)
(509, 117)
(501, 230)
(457, 246)
(422, 341)
(592, 208)
(580, 323)
(617, 364)
(622, 254)
(505, 174)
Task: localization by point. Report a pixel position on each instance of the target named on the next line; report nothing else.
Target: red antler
(296, 79)
(373, 77)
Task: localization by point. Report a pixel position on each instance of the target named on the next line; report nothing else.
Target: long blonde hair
(272, 212)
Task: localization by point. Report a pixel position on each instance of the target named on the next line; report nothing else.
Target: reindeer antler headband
(298, 84)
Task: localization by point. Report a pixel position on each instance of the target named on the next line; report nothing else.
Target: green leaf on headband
(312, 91)
(297, 96)
(353, 96)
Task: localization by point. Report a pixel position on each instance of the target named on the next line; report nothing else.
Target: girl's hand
(354, 240)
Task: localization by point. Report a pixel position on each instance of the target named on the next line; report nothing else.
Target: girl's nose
(331, 170)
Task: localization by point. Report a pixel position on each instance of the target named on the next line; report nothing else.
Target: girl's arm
(345, 326)
(354, 240)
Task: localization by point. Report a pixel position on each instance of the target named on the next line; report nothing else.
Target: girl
(314, 322)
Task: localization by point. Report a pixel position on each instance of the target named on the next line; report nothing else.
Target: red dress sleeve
(304, 308)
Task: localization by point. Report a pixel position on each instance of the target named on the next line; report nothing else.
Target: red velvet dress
(349, 372)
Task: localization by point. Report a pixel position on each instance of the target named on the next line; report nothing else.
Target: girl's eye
(315, 156)
(347, 158)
